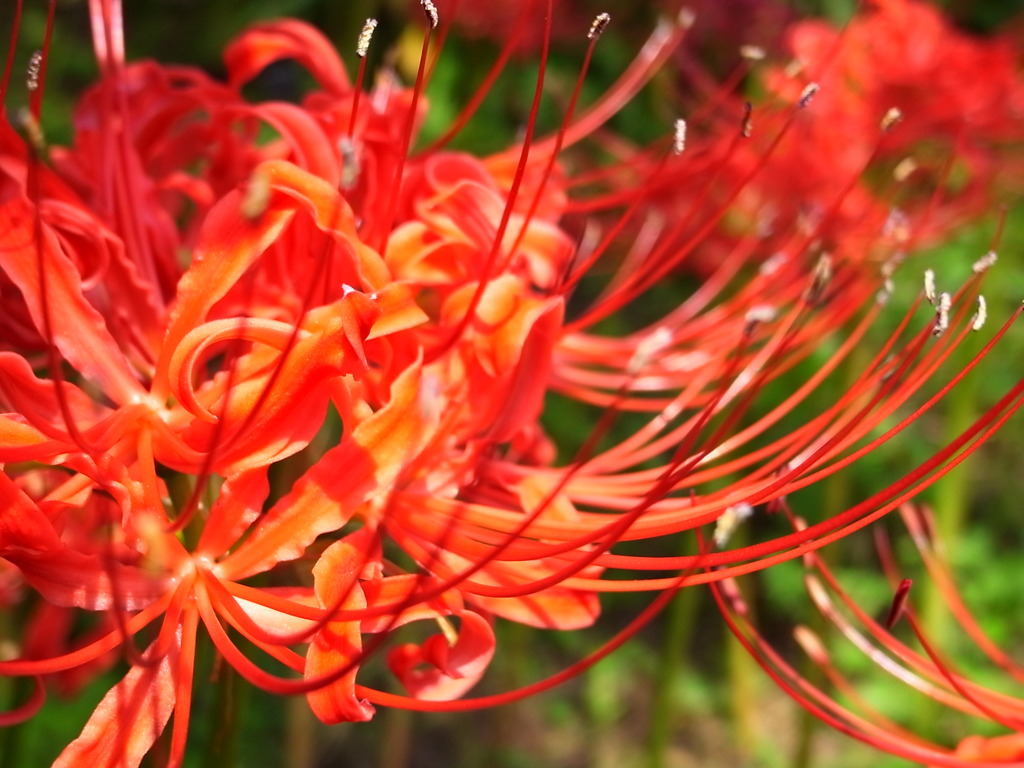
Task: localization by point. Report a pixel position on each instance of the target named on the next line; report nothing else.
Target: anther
(897, 225)
(904, 168)
(363, 43)
(32, 131)
(807, 94)
(35, 65)
(652, 345)
(942, 314)
(812, 645)
(431, 11)
(981, 315)
(730, 521)
(773, 264)
(899, 603)
(679, 140)
(820, 280)
(890, 265)
(885, 293)
(762, 313)
(929, 286)
(257, 195)
(598, 26)
(893, 116)
(350, 166)
(984, 263)
(747, 126)
(752, 52)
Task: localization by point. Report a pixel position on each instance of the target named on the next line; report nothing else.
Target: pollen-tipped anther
(980, 315)
(812, 645)
(820, 280)
(984, 263)
(808, 94)
(942, 314)
(904, 168)
(885, 292)
(431, 11)
(929, 286)
(679, 140)
(363, 43)
(257, 195)
(653, 344)
(891, 117)
(598, 25)
(32, 131)
(752, 52)
(747, 126)
(350, 165)
(35, 66)
(897, 226)
(729, 521)
(762, 313)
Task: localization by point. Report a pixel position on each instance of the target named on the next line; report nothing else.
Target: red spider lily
(828, 174)
(422, 298)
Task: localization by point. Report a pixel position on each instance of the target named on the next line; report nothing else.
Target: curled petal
(263, 44)
(440, 670)
(230, 243)
(339, 644)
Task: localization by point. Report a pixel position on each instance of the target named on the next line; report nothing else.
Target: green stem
(395, 749)
(950, 509)
(679, 625)
(300, 733)
(11, 739)
(743, 698)
(229, 703)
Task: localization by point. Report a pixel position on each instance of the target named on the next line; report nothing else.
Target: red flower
(197, 307)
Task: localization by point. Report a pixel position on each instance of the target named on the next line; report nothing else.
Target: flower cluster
(268, 373)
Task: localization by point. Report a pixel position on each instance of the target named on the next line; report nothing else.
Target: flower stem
(228, 706)
(950, 512)
(679, 626)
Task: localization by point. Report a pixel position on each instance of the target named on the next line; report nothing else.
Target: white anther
(598, 25)
(807, 94)
(929, 286)
(748, 124)
(650, 345)
(730, 521)
(893, 116)
(679, 140)
(363, 43)
(752, 52)
(984, 263)
(885, 293)
(773, 264)
(35, 66)
(942, 314)
(431, 10)
(981, 315)
(904, 168)
(762, 313)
